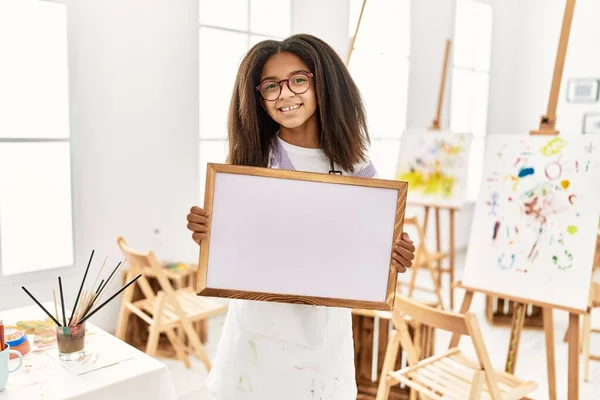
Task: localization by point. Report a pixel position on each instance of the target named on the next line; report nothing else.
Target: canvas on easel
(548, 220)
(435, 165)
(536, 219)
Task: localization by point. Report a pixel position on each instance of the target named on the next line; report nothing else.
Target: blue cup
(4, 370)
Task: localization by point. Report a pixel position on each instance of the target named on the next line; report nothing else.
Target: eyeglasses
(298, 84)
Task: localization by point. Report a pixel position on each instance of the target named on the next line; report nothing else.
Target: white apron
(279, 351)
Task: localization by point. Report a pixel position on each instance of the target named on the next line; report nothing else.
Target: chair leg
(155, 327)
(391, 354)
(477, 385)
(195, 343)
(122, 323)
(178, 346)
(124, 312)
(586, 345)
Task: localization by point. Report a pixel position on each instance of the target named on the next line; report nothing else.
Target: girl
(295, 107)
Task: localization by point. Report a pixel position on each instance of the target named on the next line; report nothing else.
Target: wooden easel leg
(586, 345)
(573, 357)
(466, 304)
(422, 253)
(438, 247)
(451, 251)
(566, 337)
(438, 291)
(550, 359)
(515, 337)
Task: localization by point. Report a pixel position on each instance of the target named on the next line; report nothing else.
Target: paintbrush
(55, 306)
(107, 301)
(81, 288)
(41, 306)
(62, 301)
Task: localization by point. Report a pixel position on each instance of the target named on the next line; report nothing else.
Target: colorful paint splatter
(434, 165)
(540, 205)
(535, 221)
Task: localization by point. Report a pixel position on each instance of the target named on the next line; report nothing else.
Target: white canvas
(534, 229)
(295, 237)
(434, 163)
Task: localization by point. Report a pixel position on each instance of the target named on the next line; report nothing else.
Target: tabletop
(110, 368)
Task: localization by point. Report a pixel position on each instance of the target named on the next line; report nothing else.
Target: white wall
(133, 70)
(538, 53)
(329, 23)
(583, 61)
(523, 63)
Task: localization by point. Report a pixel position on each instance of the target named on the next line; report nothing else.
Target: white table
(44, 376)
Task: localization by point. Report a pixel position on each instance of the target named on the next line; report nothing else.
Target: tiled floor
(531, 364)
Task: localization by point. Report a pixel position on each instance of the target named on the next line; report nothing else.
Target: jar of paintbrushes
(70, 341)
(70, 334)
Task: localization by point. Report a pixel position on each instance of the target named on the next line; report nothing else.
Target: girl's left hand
(404, 253)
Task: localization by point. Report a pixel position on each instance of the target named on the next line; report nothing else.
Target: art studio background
(119, 105)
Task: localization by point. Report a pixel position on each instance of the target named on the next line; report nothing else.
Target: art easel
(547, 127)
(438, 256)
(362, 9)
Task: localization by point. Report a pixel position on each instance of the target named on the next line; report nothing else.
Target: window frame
(67, 140)
(473, 187)
(249, 36)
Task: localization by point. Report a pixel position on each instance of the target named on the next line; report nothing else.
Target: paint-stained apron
(277, 351)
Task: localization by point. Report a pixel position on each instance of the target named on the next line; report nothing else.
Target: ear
(262, 104)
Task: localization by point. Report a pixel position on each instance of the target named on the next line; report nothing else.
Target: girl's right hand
(198, 223)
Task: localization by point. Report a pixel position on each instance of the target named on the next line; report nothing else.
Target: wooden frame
(213, 169)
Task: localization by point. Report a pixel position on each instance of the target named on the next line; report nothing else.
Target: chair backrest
(140, 262)
(430, 316)
(462, 324)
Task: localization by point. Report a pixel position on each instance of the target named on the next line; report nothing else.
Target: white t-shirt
(277, 351)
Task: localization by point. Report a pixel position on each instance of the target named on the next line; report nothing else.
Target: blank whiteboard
(300, 237)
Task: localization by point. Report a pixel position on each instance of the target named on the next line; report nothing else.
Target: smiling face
(290, 110)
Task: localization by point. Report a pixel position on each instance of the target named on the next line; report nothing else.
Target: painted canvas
(434, 163)
(535, 224)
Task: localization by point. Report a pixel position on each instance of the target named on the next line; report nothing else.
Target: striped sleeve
(367, 171)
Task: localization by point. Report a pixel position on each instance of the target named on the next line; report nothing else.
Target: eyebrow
(274, 78)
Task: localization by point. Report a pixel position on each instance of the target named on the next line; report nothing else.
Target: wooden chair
(450, 375)
(166, 310)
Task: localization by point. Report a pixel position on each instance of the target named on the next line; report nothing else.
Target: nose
(286, 91)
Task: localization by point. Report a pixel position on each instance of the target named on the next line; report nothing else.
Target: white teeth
(290, 108)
